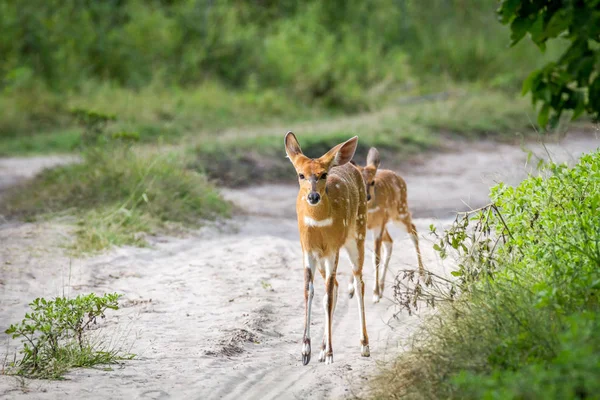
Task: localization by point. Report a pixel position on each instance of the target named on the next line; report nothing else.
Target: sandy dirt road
(218, 314)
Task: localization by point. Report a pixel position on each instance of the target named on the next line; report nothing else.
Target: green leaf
(542, 118)
(559, 22)
(508, 9)
(519, 28)
(537, 32)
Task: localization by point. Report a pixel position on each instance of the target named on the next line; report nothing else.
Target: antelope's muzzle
(313, 198)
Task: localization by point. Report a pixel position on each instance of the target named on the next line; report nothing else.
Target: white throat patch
(372, 210)
(308, 221)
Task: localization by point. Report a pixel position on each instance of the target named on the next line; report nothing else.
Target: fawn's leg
(406, 220)
(309, 270)
(387, 243)
(329, 300)
(356, 253)
(378, 233)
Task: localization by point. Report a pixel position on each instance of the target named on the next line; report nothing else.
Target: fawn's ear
(373, 157)
(292, 147)
(340, 154)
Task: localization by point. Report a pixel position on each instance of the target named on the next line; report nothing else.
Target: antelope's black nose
(313, 198)
(368, 197)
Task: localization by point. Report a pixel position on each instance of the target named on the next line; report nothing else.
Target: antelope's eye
(301, 176)
(324, 176)
(373, 183)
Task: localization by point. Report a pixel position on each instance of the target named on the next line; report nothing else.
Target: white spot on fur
(337, 185)
(308, 221)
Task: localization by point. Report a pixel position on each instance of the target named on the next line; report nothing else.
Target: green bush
(521, 319)
(55, 336)
(571, 373)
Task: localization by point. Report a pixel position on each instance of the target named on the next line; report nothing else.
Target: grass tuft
(118, 195)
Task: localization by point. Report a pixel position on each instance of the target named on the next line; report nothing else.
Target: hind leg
(406, 221)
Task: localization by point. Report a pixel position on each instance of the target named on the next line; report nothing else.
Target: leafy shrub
(525, 307)
(571, 373)
(54, 336)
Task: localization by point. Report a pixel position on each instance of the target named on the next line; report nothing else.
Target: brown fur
(388, 203)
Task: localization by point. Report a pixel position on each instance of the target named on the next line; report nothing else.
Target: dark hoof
(305, 359)
(306, 352)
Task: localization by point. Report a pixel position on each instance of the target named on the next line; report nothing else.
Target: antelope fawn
(386, 199)
(332, 213)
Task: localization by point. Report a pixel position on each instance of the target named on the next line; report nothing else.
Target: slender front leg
(309, 271)
(324, 344)
(329, 300)
(356, 253)
(387, 243)
(378, 232)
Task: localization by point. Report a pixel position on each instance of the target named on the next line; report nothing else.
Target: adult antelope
(332, 213)
(386, 197)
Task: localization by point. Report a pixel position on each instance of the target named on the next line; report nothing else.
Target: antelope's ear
(373, 157)
(340, 154)
(292, 147)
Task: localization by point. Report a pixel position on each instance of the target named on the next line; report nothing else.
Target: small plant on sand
(55, 336)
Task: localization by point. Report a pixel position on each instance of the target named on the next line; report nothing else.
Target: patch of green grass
(118, 195)
(156, 113)
(475, 112)
(399, 132)
(62, 141)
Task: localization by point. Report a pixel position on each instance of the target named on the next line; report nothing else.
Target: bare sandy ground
(219, 314)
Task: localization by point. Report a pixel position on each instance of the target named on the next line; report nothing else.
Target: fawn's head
(312, 172)
(368, 172)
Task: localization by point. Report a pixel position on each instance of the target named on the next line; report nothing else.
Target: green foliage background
(341, 55)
